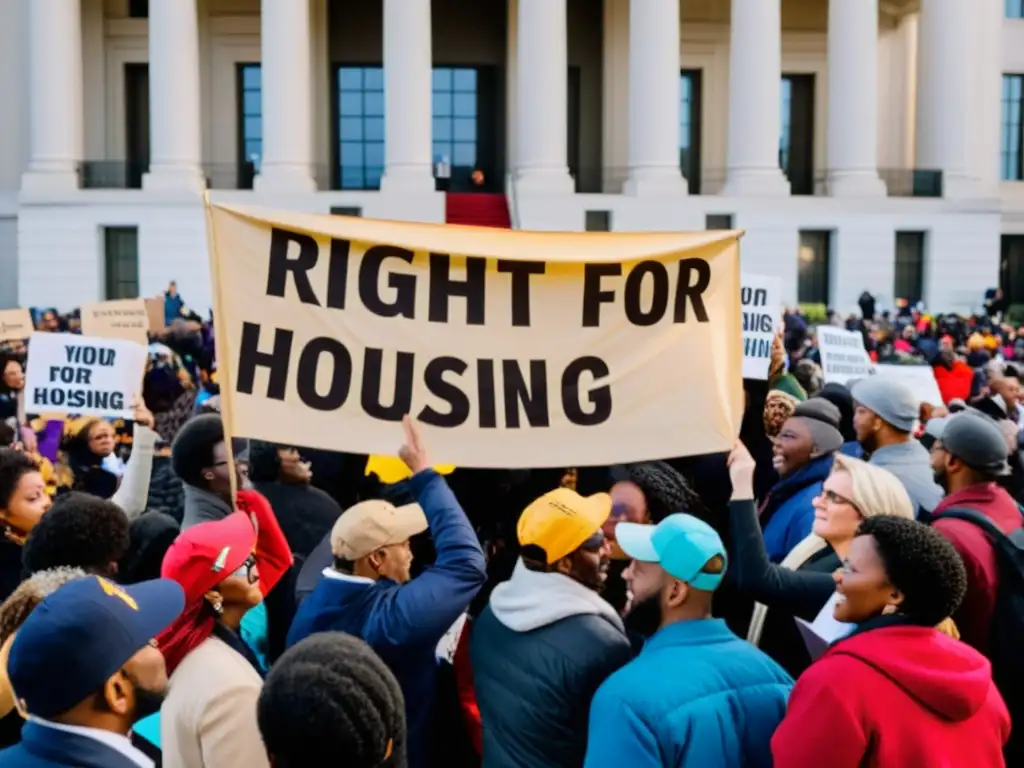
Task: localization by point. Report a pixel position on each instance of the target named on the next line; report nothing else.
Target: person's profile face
(138, 689)
(396, 562)
(862, 583)
(792, 447)
(644, 582)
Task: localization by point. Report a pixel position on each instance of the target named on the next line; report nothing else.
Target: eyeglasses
(834, 498)
(594, 543)
(247, 570)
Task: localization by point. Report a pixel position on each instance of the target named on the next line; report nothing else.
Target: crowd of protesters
(843, 588)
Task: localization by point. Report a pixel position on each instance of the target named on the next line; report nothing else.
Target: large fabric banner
(512, 349)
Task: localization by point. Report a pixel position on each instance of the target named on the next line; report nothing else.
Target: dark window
(138, 9)
(572, 122)
(360, 162)
(598, 221)
(121, 262)
(690, 82)
(455, 119)
(1015, 9)
(346, 210)
(718, 221)
(250, 123)
(909, 282)
(796, 137)
(1013, 102)
(136, 114)
(813, 267)
(1011, 268)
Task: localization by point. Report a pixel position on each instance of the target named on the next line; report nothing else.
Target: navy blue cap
(79, 636)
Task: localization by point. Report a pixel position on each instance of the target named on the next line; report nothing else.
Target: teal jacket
(697, 696)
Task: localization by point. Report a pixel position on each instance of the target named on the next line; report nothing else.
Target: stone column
(287, 109)
(654, 108)
(853, 99)
(176, 153)
(542, 94)
(56, 134)
(944, 86)
(408, 63)
(755, 74)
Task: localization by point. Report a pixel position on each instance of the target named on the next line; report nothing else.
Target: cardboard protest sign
(761, 307)
(512, 349)
(117, 319)
(843, 356)
(15, 324)
(70, 374)
(920, 379)
(155, 313)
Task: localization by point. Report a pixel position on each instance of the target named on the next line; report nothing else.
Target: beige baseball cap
(370, 525)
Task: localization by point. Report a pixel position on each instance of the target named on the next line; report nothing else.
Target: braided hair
(332, 695)
(665, 490)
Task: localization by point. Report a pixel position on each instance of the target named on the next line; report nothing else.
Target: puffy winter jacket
(539, 651)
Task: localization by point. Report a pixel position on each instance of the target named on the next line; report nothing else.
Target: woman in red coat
(896, 692)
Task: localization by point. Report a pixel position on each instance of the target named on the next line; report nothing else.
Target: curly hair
(192, 450)
(14, 465)
(81, 531)
(665, 490)
(921, 563)
(29, 594)
(332, 695)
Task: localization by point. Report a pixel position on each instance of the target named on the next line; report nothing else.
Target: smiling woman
(882, 695)
(23, 501)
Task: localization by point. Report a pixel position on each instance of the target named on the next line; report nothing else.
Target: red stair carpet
(477, 209)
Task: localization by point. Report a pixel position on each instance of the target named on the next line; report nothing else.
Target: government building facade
(861, 145)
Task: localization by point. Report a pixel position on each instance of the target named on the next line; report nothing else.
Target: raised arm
(801, 593)
(424, 609)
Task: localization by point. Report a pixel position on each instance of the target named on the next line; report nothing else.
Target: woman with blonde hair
(801, 586)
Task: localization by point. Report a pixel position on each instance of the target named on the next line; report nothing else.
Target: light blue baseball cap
(681, 544)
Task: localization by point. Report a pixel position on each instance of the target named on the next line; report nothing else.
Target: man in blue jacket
(83, 669)
(368, 592)
(696, 695)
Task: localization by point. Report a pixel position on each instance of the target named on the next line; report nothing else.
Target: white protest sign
(919, 379)
(761, 308)
(83, 375)
(843, 356)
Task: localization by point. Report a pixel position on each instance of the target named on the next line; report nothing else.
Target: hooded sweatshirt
(902, 696)
(539, 651)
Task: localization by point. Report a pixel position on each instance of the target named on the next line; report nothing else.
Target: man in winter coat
(884, 417)
(547, 639)
(697, 695)
(368, 592)
(969, 458)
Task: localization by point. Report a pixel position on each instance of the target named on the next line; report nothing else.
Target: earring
(218, 607)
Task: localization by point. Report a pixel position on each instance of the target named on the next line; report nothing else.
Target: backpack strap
(974, 517)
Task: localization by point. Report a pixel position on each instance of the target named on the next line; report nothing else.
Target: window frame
(246, 168)
(825, 280)
(901, 266)
(693, 120)
(369, 179)
(1011, 127)
(113, 281)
